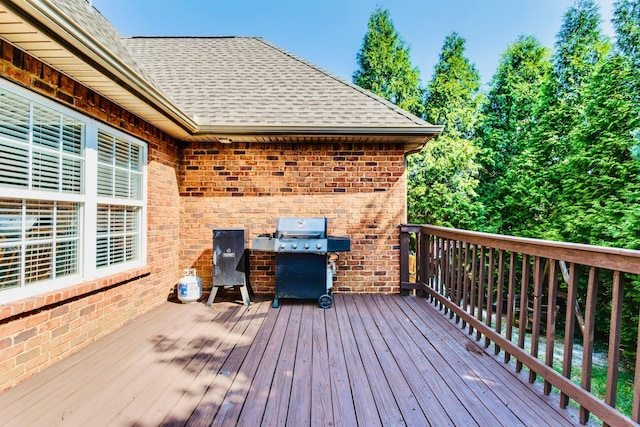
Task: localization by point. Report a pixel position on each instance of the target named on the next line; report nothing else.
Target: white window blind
(118, 234)
(120, 176)
(119, 167)
(41, 148)
(49, 214)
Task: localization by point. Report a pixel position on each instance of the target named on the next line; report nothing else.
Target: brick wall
(36, 332)
(360, 188)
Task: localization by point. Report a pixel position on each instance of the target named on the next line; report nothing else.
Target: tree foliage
(626, 21)
(579, 48)
(443, 177)
(385, 67)
(452, 96)
(442, 182)
(507, 121)
(600, 204)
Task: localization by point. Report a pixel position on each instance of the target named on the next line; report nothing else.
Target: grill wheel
(325, 301)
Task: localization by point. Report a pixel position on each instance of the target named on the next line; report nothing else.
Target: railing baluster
(465, 283)
(511, 301)
(433, 251)
(481, 281)
(587, 346)
(499, 298)
(538, 278)
(459, 278)
(524, 301)
(439, 252)
(567, 358)
(472, 289)
(446, 263)
(452, 275)
(490, 283)
(635, 406)
(551, 318)
(425, 242)
(614, 339)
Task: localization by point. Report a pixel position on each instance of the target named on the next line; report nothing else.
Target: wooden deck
(367, 361)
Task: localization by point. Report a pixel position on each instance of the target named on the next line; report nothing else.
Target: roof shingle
(246, 81)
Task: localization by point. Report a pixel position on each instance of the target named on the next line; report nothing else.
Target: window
(119, 177)
(72, 197)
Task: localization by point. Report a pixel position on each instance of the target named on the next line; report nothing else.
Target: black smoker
(303, 263)
(230, 263)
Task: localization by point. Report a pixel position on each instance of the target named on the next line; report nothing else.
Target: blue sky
(329, 33)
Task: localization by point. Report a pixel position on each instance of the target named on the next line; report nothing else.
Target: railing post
(404, 261)
(405, 283)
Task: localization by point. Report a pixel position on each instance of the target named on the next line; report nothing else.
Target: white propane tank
(331, 271)
(189, 286)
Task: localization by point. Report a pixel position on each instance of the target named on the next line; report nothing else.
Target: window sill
(58, 297)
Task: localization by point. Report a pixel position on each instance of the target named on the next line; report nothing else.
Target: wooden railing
(509, 291)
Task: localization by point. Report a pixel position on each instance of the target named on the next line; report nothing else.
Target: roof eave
(412, 138)
(237, 130)
(71, 35)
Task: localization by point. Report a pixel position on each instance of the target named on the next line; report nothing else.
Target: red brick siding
(36, 332)
(359, 187)
(191, 191)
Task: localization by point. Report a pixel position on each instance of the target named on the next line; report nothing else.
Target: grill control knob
(294, 246)
(281, 245)
(319, 245)
(306, 246)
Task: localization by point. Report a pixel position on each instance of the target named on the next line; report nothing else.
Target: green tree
(443, 177)
(452, 96)
(635, 150)
(600, 204)
(442, 182)
(385, 67)
(579, 48)
(507, 120)
(626, 21)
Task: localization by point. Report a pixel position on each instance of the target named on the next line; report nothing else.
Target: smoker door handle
(215, 258)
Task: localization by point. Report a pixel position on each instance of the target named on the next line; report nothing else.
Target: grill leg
(245, 295)
(275, 304)
(212, 295)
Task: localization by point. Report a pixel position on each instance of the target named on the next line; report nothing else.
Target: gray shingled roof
(97, 26)
(249, 82)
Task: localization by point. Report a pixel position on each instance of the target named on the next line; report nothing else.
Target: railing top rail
(619, 259)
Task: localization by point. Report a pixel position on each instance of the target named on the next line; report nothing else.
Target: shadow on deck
(370, 360)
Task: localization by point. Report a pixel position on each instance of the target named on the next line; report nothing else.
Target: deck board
(369, 360)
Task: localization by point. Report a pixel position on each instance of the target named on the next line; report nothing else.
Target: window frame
(88, 201)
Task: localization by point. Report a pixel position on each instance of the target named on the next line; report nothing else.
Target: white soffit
(28, 38)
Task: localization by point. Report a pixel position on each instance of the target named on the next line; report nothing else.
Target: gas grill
(304, 265)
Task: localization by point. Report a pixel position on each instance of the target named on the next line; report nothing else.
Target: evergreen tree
(626, 21)
(443, 178)
(452, 97)
(602, 184)
(635, 150)
(600, 205)
(385, 67)
(507, 120)
(442, 182)
(580, 47)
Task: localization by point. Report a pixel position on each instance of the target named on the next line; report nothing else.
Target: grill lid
(302, 228)
(300, 235)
